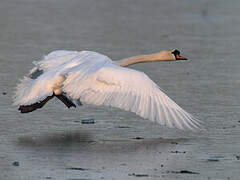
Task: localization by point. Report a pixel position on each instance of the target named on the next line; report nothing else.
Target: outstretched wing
(131, 90)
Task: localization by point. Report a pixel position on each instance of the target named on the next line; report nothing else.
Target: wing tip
(195, 125)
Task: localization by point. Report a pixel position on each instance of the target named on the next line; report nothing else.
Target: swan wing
(130, 90)
(64, 58)
(38, 84)
(49, 73)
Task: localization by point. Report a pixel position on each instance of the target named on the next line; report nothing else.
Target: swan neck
(142, 58)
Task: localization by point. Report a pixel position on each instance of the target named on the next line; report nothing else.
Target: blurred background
(51, 143)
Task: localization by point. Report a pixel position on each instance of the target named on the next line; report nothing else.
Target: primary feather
(93, 78)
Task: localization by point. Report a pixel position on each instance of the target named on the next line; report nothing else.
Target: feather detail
(137, 94)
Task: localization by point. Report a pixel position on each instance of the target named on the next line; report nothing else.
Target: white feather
(93, 78)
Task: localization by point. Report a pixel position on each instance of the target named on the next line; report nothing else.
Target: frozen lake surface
(51, 143)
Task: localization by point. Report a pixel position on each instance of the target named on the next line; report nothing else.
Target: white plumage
(95, 79)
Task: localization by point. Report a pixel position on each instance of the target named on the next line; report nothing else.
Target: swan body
(94, 78)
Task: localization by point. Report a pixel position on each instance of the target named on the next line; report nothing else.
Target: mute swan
(93, 78)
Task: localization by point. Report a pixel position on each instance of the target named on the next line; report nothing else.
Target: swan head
(176, 54)
(170, 55)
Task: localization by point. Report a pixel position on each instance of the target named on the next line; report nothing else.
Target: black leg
(65, 100)
(32, 107)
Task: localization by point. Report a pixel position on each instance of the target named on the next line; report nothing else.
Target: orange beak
(178, 57)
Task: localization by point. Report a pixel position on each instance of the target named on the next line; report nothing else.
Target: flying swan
(85, 76)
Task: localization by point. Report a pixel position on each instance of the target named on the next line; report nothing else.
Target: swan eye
(176, 52)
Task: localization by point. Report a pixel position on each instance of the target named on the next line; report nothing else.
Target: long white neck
(161, 56)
